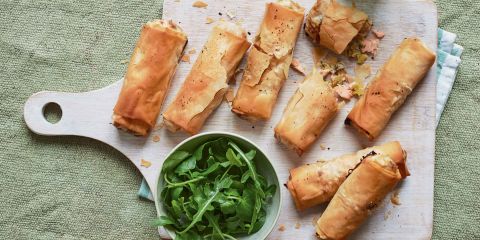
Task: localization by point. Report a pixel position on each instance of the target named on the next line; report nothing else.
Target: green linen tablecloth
(75, 188)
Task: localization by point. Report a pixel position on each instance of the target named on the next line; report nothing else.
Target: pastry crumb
(387, 215)
(158, 127)
(363, 71)
(297, 225)
(209, 20)
(378, 34)
(322, 146)
(186, 58)
(229, 96)
(296, 65)
(145, 163)
(200, 4)
(395, 199)
(125, 61)
(192, 51)
(177, 0)
(281, 228)
(156, 138)
(230, 14)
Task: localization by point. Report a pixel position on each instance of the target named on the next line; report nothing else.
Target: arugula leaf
(213, 222)
(256, 211)
(186, 165)
(224, 183)
(245, 206)
(163, 221)
(233, 159)
(173, 160)
(250, 165)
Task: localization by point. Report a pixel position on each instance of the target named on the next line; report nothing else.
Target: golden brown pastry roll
(308, 112)
(334, 25)
(316, 183)
(269, 60)
(357, 197)
(407, 66)
(206, 84)
(151, 68)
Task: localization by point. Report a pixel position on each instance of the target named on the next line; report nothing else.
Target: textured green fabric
(73, 188)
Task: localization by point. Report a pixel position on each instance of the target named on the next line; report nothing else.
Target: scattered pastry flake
(230, 14)
(322, 146)
(229, 96)
(363, 71)
(125, 61)
(209, 20)
(281, 228)
(177, 0)
(378, 34)
(296, 65)
(297, 225)
(145, 163)
(395, 199)
(186, 58)
(192, 51)
(158, 127)
(387, 214)
(156, 138)
(200, 4)
(370, 46)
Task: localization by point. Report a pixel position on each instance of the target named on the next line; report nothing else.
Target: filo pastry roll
(363, 190)
(397, 78)
(269, 60)
(308, 112)
(206, 84)
(151, 68)
(316, 183)
(333, 25)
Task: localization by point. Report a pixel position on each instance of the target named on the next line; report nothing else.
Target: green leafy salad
(214, 192)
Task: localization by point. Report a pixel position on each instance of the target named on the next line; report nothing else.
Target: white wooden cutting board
(89, 114)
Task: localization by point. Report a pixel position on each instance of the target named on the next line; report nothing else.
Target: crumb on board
(124, 61)
(296, 65)
(387, 214)
(395, 199)
(378, 34)
(156, 138)
(230, 14)
(363, 71)
(322, 146)
(297, 225)
(145, 163)
(186, 58)
(192, 51)
(158, 126)
(200, 4)
(229, 96)
(177, 0)
(209, 20)
(281, 228)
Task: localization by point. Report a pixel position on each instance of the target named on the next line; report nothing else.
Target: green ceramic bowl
(264, 168)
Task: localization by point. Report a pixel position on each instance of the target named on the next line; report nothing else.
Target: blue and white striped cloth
(448, 60)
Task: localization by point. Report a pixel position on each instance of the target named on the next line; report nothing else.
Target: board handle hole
(52, 112)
